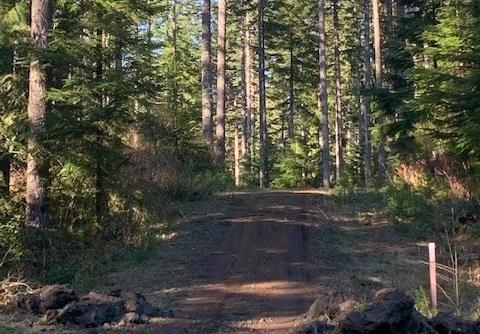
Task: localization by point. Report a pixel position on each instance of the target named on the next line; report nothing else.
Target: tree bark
(365, 105)
(220, 126)
(291, 99)
(174, 64)
(338, 96)
(378, 83)
(236, 149)
(36, 213)
(322, 95)
(100, 191)
(207, 121)
(250, 90)
(264, 182)
(246, 87)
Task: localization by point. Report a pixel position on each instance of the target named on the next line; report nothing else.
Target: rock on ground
(390, 312)
(447, 323)
(332, 307)
(92, 310)
(58, 304)
(50, 297)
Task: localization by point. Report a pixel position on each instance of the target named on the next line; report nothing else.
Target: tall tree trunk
(338, 96)
(207, 121)
(322, 95)
(174, 64)
(36, 213)
(236, 153)
(366, 110)
(262, 103)
(220, 126)
(361, 117)
(100, 191)
(249, 90)
(378, 83)
(7, 159)
(246, 83)
(291, 92)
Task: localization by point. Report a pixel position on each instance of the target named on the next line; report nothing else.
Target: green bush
(12, 247)
(406, 204)
(296, 168)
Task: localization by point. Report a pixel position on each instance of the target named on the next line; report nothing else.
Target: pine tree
(338, 96)
(322, 93)
(207, 120)
(221, 93)
(379, 83)
(262, 112)
(37, 109)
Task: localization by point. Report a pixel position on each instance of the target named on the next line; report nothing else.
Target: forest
(123, 121)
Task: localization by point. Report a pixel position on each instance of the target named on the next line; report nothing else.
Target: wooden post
(433, 275)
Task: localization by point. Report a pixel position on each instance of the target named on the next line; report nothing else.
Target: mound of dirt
(50, 297)
(58, 304)
(390, 312)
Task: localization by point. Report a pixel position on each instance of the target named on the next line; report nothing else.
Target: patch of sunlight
(166, 236)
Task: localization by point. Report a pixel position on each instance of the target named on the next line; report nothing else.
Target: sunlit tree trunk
(365, 101)
(291, 92)
(36, 213)
(220, 116)
(322, 95)
(378, 83)
(174, 98)
(236, 149)
(249, 88)
(262, 97)
(246, 88)
(207, 121)
(338, 95)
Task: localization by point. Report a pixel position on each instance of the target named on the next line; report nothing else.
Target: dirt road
(253, 262)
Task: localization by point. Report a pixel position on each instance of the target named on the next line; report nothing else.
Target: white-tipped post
(433, 275)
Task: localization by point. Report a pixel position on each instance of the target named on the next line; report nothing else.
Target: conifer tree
(37, 111)
(207, 121)
(221, 84)
(322, 94)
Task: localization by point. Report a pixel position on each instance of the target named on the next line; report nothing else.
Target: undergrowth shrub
(429, 208)
(153, 172)
(12, 247)
(406, 204)
(296, 167)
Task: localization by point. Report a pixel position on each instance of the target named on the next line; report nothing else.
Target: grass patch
(84, 272)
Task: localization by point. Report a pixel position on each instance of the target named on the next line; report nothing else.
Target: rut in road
(261, 277)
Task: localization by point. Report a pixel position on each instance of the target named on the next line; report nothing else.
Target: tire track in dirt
(261, 279)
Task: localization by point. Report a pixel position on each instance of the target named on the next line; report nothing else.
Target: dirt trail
(253, 262)
(261, 278)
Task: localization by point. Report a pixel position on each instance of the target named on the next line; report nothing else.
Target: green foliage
(447, 94)
(295, 168)
(124, 126)
(428, 209)
(422, 302)
(117, 71)
(406, 204)
(357, 197)
(12, 245)
(83, 273)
